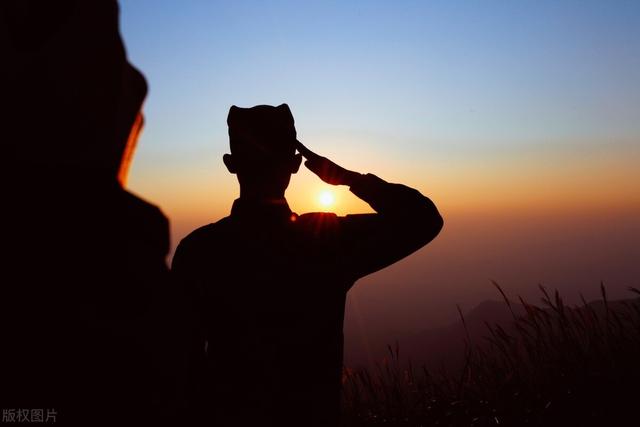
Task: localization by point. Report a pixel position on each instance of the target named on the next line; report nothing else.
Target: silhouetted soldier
(85, 284)
(270, 286)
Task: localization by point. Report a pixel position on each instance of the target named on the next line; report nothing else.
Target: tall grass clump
(553, 366)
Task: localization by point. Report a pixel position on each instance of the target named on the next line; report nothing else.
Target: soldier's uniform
(269, 288)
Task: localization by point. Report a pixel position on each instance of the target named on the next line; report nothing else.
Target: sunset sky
(520, 120)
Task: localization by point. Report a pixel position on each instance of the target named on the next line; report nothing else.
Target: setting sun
(326, 199)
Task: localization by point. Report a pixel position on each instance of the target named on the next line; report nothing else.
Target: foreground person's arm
(404, 221)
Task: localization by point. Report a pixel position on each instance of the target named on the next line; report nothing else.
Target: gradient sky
(521, 120)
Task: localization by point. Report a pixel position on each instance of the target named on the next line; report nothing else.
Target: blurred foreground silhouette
(85, 286)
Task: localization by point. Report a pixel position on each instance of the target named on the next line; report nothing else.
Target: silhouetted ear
(229, 163)
(295, 163)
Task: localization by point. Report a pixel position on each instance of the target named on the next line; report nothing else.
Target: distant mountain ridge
(445, 346)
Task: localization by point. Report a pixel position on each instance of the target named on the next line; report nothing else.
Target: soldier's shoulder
(319, 221)
(318, 216)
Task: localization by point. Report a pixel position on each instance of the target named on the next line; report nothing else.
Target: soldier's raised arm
(404, 221)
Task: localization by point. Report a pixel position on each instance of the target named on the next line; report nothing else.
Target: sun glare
(326, 199)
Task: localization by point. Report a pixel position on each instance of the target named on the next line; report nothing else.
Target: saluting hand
(328, 171)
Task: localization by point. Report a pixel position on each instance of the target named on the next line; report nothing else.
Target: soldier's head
(263, 151)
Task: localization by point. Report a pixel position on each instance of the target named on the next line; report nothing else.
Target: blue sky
(474, 103)
(504, 72)
(415, 88)
(418, 84)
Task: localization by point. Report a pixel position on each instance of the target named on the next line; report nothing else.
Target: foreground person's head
(263, 150)
(74, 99)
